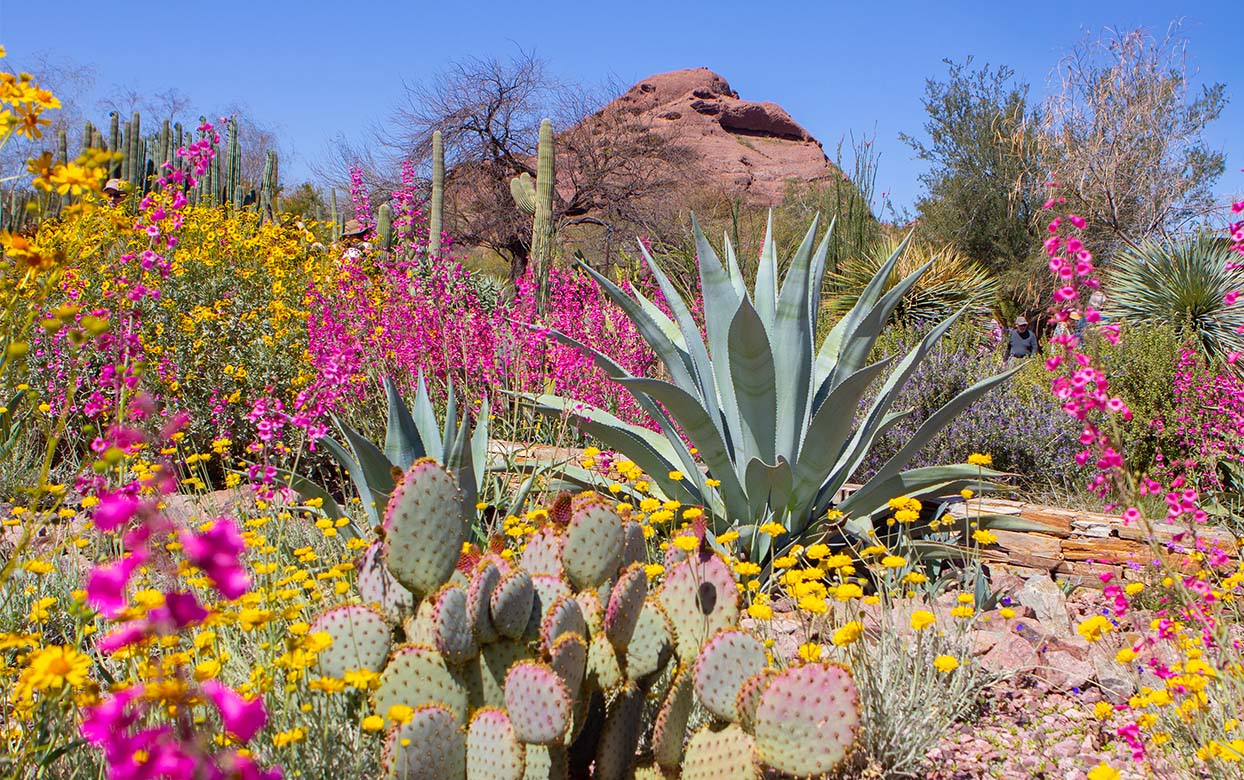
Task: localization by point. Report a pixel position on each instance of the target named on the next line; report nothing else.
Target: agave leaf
(829, 430)
(721, 301)
(425, 420)
(402, 443)
(828, 355)
(479, 443)
(859, 343)
(755, 383)
(768, 486)
(732, 267)
(451, 421)
(667, 325)
(309, 490)
(373, 503)
(816, 276)
(793, 350)
(765, 292)
(695, 422)
(677, 362)
(459, 459)
(851, 458)
(911, 483)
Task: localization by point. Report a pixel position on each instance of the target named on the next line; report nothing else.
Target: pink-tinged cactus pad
(669, 731)
(652, 642)
(538, 703)
(512, 603)
(484, 581)
(380, 588)
(361, 640)
(728, 659)
(494, 663)
(546, 763)
(807, 719)
(493, 752)
(593, 610)
(543, 554)
(594, 543)
(603, 665)
(568, 658)
(417, 675)
(701, 598)
(625, 603)
(431, 746)
(563, 616)
(634, 545)
(720, 755)
(749, 699)
(451, 629)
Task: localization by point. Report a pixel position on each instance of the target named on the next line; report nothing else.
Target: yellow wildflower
(848, 634)
(922, 619)
(945, 663)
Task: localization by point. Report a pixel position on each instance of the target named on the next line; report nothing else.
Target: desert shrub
(1018, 424)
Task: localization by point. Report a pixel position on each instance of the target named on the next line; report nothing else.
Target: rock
(1064, 670)
(1113, 679)
(1047, 601)
(1008, 653)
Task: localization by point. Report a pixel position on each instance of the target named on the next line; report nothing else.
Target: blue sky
(313, 69)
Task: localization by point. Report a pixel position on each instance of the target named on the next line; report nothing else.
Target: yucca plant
(772, 416)
(952, 282)
(1185, 282)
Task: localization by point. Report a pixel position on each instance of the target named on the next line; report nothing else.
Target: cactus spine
(438, 195)
(542, 222)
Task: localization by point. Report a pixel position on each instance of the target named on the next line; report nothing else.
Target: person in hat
(1022, 342)
(115, 190)
(353, 238)
(1073, 325)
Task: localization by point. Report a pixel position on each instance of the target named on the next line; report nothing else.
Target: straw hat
(353, 229)
(114, 187)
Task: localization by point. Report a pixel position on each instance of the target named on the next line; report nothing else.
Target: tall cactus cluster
(566, 664)
(143, 158)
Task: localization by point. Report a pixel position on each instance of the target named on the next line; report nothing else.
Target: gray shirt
(1022, 344)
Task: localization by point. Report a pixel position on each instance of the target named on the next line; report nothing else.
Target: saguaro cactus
(435, 226)
(542, 221)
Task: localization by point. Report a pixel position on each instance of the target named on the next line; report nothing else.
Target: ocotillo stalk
(542, 223)
(438, 195)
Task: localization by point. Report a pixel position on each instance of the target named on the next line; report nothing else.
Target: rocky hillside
(742, 146)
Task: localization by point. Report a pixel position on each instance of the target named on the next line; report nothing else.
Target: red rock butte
(750, 148)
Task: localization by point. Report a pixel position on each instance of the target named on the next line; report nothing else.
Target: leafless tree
(1124, 135)
(610, 167)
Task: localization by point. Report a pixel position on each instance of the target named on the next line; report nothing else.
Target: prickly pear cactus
(512, 603)
(492, 750)
(701, 598)
(417, 675)
(429, 747)
(728, 659)
(425, 522)
(539, 701)
(594, 542)
(361, 640)
(724, 754)
(807, 719)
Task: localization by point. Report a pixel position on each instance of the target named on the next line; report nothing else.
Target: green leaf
(768, 486)
(765, 295)
(793, 350)
(425, 421)
(753, 374)
(309, 490)
(373, 503)
(402, 443)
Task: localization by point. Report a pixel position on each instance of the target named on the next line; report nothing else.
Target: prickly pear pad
(728, 659)
(434, 749)
(484, 583)
(615, 753)
(749, 699)
(493, 752)
(538, 703)
(669, 731)
(594, 543)
(512, 602)
(377, 586)
(807, 719)
(568, 658)
(564, 616)
(701, 598)
(417, 675)
(651, 643)
(426, 525)
(361, 640)
(720, 755)
(451, 629)
(625, 603)
(543, 554)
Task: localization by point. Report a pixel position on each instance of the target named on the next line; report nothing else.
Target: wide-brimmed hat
(114, 185)
(353, 229)
(1075, 315)
(1021, 321)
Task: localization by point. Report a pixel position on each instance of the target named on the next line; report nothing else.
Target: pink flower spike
(241, 716)
(106, 584)
(113, 510)
(1230, 297)
(218, 553)
(1077, 220)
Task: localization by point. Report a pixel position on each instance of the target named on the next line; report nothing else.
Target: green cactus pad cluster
(807, 719)
(540, 702)
(361, 640)
(492, 750)
(729, 659)
(425, 522)
(429, 747)
(569, 672)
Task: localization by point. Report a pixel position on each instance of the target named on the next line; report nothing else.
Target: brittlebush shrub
(229, 324)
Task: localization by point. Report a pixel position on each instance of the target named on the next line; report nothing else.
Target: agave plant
(952, 281)
(411, 434)
(772, 416)
(1182, 281)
